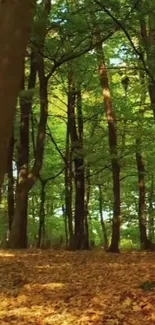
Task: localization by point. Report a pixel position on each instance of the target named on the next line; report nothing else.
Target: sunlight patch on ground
(6, 254)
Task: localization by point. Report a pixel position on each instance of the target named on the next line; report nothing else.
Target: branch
(120, 24)
(46, 180)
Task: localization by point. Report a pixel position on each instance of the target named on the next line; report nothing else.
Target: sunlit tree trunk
(112, 136)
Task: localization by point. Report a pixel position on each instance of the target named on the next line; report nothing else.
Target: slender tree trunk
(142, 200)
(151, 209)
(112, 135)
(65, 224)
(148, 42)
(10, 182)
(142, 214)
(41, 231)
(77, 146)
(144, 241)
(102, 220)
(68, 185)
(86, 208)
(82, 168)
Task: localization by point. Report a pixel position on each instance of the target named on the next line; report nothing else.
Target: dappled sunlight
(6, 254)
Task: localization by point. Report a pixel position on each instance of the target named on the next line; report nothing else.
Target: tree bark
(151, 209)
(15, 23)
(10, 182)
(21, 197)
(145, 243)
(76, 135)
(112, 135)
(18, 236)
(102, 219)
(41, 231)
(68, 183)
(148, 42)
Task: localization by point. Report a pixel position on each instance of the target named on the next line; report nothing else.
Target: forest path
(81, 288)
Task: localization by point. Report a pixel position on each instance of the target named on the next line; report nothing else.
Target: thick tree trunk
(15, 24)
(112, 134)
(102, 219)
(18, 235)
(27, 180)
(26, 99)
(10, 182)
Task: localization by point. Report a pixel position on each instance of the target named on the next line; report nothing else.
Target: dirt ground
(80, 288)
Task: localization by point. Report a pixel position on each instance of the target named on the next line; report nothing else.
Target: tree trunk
(27, 180)
(77, 146)
(41, 231)
(10, 182)
(151, 209)
(26, 99)
(102, 220)
(65, 224)
(144, 241)
(68, 185)
(148, 42)
(15, 22)
(112, 135)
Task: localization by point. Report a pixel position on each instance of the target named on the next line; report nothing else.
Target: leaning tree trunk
(112, 136)
(15, 23)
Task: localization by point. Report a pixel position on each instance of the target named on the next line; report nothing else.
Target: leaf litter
(64, 288)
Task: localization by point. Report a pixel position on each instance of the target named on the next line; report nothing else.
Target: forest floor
(80, 288)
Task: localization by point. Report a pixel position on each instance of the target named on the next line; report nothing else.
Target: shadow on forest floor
(64, 288)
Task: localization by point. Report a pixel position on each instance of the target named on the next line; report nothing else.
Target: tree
(15, 23)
